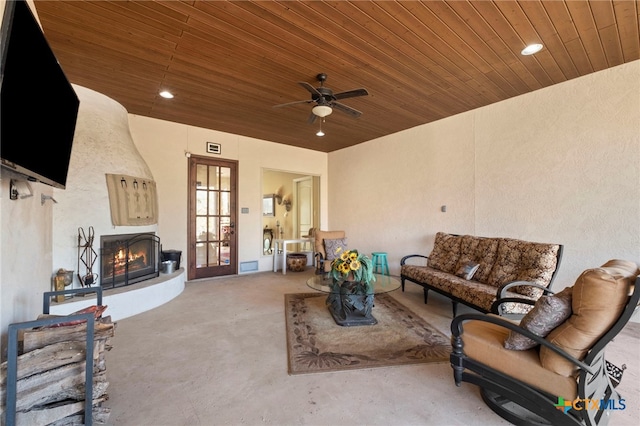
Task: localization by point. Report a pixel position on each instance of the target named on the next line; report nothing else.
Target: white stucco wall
(102, 144)
(561, 164)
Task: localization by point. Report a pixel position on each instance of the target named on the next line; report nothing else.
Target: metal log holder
(12, 353)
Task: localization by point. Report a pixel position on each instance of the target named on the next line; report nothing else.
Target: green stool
(379, 260)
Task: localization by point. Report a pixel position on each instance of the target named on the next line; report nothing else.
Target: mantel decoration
(351, 298)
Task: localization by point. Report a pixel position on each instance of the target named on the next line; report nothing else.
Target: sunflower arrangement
(350, 262)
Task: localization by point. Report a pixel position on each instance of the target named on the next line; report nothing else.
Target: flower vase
(351, 302)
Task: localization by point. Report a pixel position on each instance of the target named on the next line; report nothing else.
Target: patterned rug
(316, 344)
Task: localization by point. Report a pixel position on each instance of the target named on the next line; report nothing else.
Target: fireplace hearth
(128, 258)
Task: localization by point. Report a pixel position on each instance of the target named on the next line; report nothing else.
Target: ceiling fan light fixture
(321, 110)
(320, 133)
(531, 49)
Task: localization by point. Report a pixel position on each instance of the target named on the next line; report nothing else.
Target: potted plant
(351, 298)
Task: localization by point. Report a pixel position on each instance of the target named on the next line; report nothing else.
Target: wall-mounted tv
(38, 105)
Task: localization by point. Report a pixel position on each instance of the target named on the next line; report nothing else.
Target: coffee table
(349, 309)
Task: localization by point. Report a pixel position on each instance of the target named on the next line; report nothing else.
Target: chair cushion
(445, 253)
(334, 247)
(483, 342)
(599, 296)
(547, 313)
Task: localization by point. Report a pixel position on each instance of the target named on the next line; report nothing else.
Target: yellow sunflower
(354, 265)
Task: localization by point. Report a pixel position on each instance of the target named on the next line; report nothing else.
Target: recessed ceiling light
(531, 49)
(166, 94)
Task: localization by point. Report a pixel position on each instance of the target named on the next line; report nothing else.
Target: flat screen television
(38, 105)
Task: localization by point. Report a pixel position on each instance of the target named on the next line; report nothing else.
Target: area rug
(316, 344)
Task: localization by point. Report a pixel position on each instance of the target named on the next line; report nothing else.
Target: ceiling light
(320, 133)
(531, 49)
(322, 110)
(166, 94)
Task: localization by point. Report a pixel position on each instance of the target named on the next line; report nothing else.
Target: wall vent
(249, 266)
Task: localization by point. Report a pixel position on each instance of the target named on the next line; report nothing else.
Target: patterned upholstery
(519, 260)
(479, 250)
(446, 252)
(502, 260)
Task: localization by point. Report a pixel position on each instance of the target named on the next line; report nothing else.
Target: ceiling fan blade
(310, 88)
(351, 93)
(346, 109)
(311, 119)
(292, 103)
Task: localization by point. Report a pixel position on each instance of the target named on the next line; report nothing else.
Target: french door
(212, 238)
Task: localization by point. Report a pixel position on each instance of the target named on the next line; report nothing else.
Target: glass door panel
(212, 217)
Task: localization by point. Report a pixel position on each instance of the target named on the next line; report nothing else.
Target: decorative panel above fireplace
(128, 258)
(132, 200)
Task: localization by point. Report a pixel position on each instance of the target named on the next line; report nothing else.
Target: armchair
(322, 258)
(563, 379)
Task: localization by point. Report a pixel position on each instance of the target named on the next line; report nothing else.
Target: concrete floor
(216, 355)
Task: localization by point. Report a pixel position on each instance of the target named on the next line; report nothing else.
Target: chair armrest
(502, 291)
(497, 305)
(501, 295)
(404, 259)
(457, 331)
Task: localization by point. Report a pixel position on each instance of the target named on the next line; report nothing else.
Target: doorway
(296, 206)
(212, 240)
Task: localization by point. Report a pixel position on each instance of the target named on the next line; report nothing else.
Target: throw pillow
(467, 270)
(331, 247)
(547, 314)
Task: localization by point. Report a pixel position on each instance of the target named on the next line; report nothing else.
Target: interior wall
(556, 165)
(164, 146)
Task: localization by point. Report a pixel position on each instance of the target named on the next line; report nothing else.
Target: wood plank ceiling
(229, 62)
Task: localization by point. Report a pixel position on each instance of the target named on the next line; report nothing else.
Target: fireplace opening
(128, 258)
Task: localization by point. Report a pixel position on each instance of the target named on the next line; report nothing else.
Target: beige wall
(561, 164)
(163, 146)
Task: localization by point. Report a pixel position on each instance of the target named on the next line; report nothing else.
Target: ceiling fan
(325, 100)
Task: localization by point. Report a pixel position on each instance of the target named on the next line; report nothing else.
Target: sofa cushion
(519, 260)
(445, 253)
(599, 296)
(478, 294)
(334, 247)
(424, 274)
(478, 250)
(547, 313)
